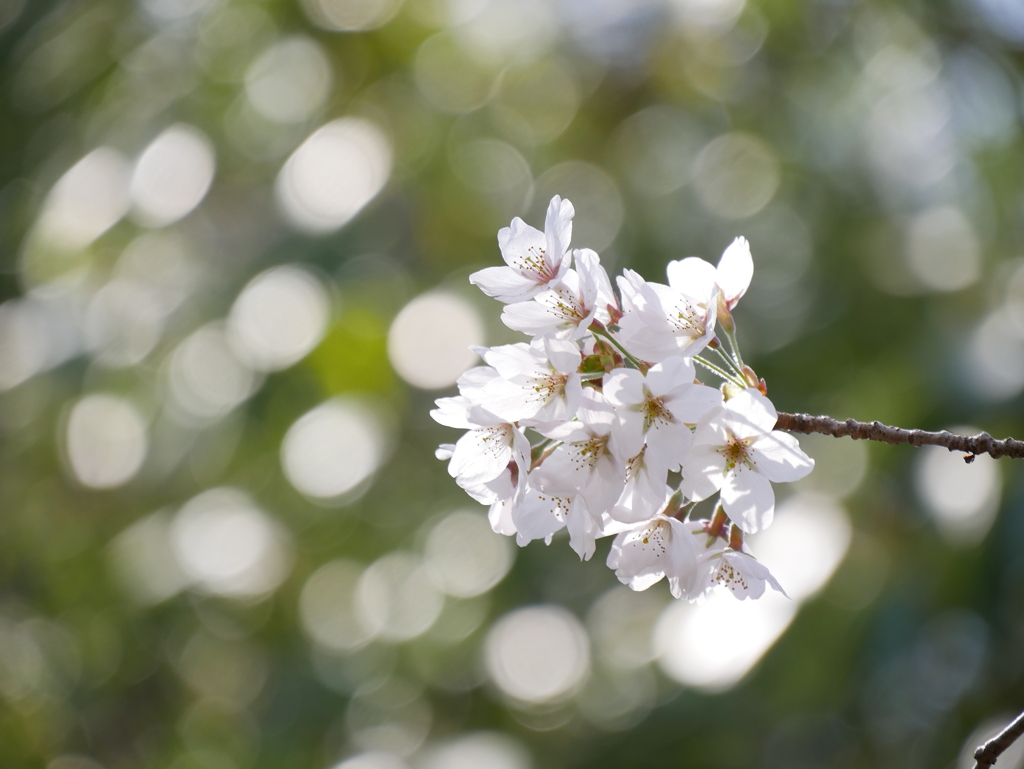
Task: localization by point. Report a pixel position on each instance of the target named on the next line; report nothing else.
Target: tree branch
(972, 445)
(986, 755)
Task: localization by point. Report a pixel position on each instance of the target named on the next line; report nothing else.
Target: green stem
(730, 334)
(728, 359)
(635, 361)
(722, 373)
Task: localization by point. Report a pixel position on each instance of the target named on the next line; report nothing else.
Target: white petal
(514, 360)
(682, 571)
(624, 387)
(670, 441)
(778, 455)
(640, 556)
(751, 413)
(539, 515)
(748, 499)
(505, 284)
(564, 356)
(735, 270)
(670, 374)
(481, 455)
(693, 276)
(453, 412)
(533, 318)
(583, 530)
(689, 402)
(702, 472)
(558, 231)
(500, 518)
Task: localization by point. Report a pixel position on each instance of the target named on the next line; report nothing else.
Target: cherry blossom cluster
(599, 424)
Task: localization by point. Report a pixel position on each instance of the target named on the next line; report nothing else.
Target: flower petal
(693, 276)
(750, 413)
(735, 270)
(748, 498)
(778, 455)
(702, 472)
(505, 284)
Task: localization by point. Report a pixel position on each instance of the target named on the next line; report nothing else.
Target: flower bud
(730, 390)
(724, 315)
(751, 377)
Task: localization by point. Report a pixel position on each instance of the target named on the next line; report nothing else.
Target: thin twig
(972, 445)
(986, 755)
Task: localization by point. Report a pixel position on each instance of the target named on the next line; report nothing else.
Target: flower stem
(734, 347)
(722, 373)
(728, 359)
(631, 358)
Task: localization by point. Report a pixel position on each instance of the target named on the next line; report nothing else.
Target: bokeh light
(106, 441)
(736, 175)
(206, 378)
(395, 600)
(332, 449)
(330, 178)
(961, 497)
(538, 654)
(172, 176)
(429, 340)
(327, 606)
(89, 199)
(278, 318)
(711, 647)
(228, 546)
(942, 250)
(290, 81)
(463, 557)
(142, 559)
(476, 750)
(350, 15)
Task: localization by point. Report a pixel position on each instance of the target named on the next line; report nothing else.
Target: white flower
(585, 462)
(486, 450)
(732, 276)
(741, 573)
(535, 259)
(568, 307)
(540, 514)
(538, 381)
(657, 408)
(659, 547)
(645, 491)
(735, 451)
(662, 321)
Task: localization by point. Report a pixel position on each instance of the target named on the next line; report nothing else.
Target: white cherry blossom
(657, 407)
(660, 547)
(538, 381)
(540, 514)
(535, 259)
(644, 492)
(488, 446)
(609, 382)
(736, 451)
(568, 307)
(742, 574)
(585, 462)
(664, 321)
(732, 276)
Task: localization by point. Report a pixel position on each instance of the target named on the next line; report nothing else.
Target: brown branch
(986, 755)
(972, 445)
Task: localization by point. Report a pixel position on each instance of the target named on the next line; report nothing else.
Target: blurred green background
(234, 240)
